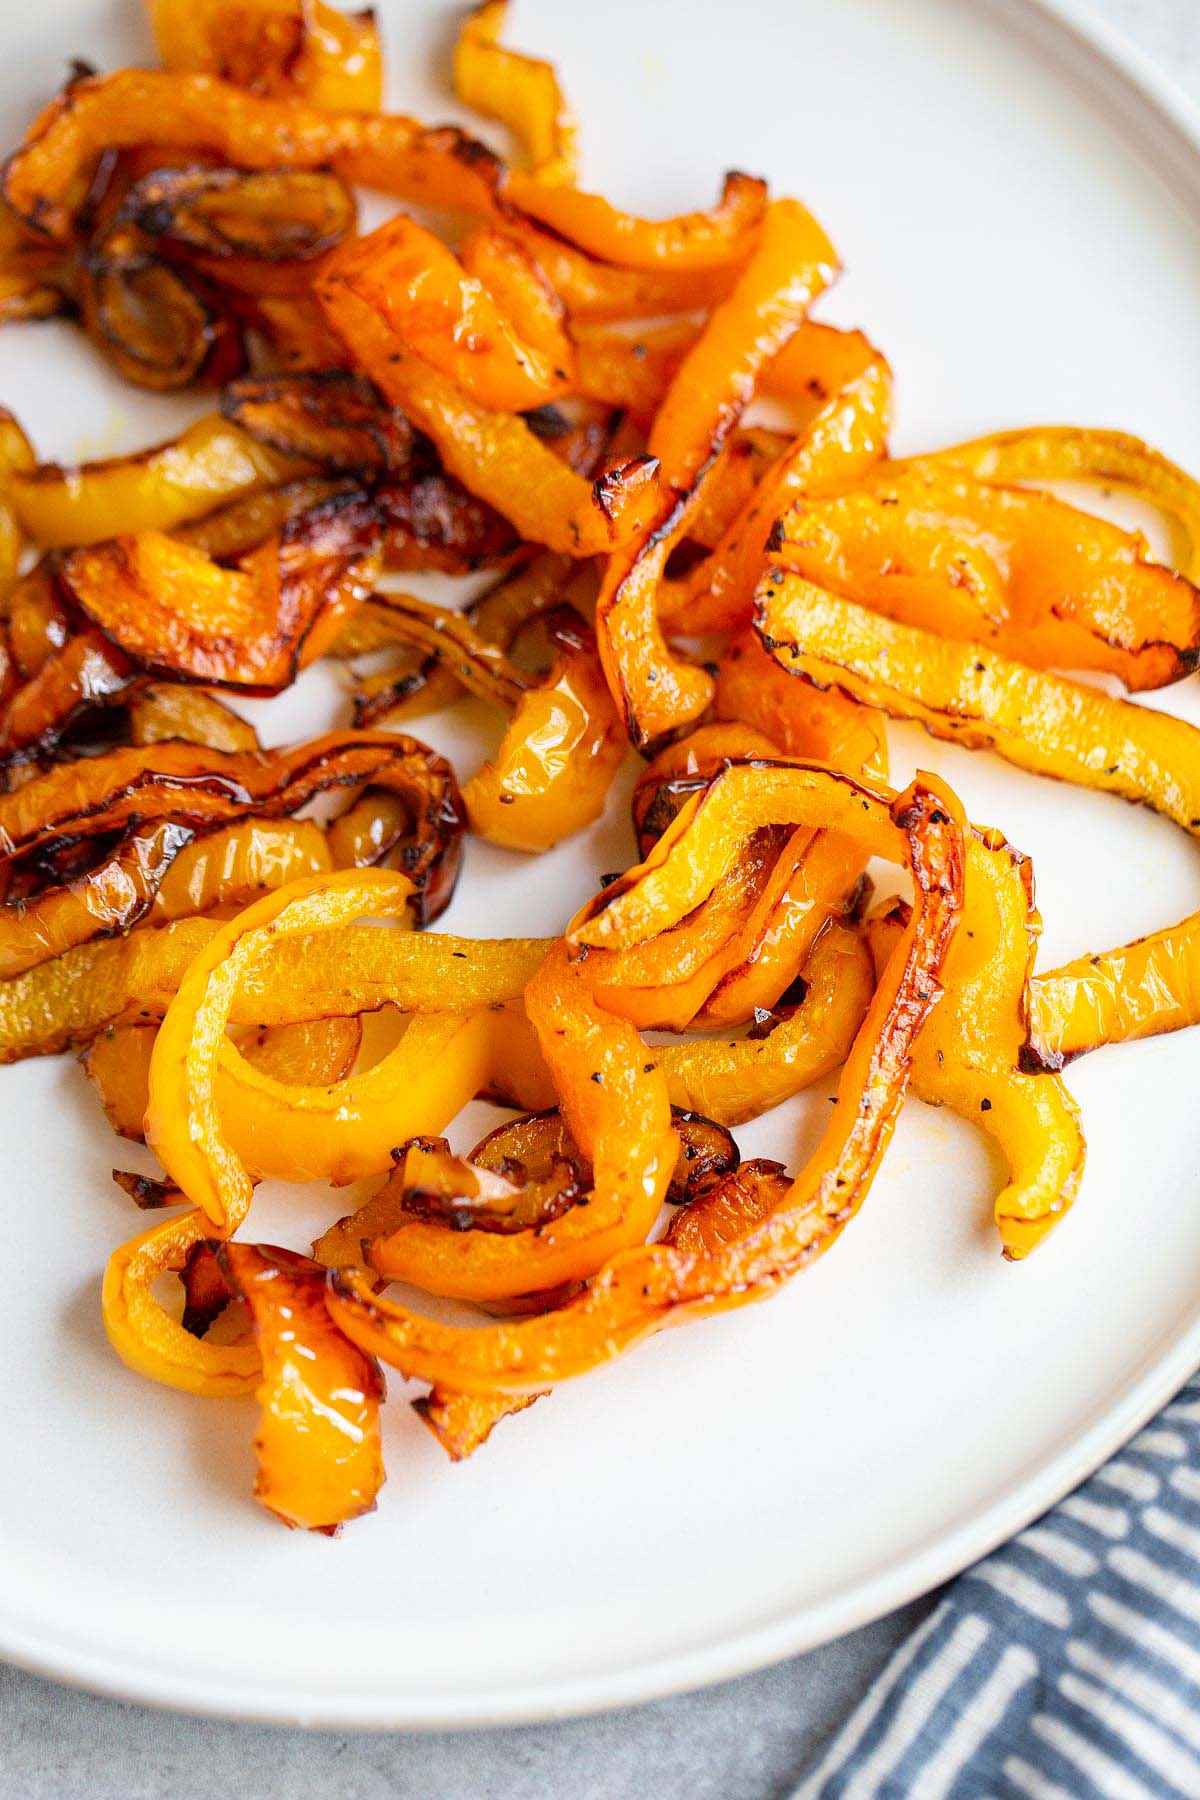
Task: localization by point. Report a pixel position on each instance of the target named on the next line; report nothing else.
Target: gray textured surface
(746, 1740)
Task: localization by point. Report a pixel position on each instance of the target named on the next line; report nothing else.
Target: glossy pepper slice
(643, 1289)
(286, 48)
(969, 1055)
(317, 1445)
(521, 91)
(692, 242)
(143, 1333)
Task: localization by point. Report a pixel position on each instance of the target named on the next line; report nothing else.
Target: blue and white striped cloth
(1064, 1666)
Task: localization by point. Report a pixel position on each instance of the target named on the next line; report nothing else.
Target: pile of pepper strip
(557, 401)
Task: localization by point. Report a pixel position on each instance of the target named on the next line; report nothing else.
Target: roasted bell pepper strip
(969, 1055)
(120, 981)
(262, 230)
(317, 1444)
(733, 1080)
(209, 464)
(36, 621)
(286, 48)
(493, 454)
(87, 674)
(793, 261)
(694, 241)
(821, 726)
(971, 695)
(480, 666)
(333, 419)
(521, 91)
(237, 863)
(183, 1123)
(641, 1290)
(836, 447)
(743, 1200)
(146, 1337)
(232, 530)
(108, 899)
(194, 785)
(181, 615)
(1019, 570)
(504, 344)
(685, 766)
(551, 775)
(1136, 991)
(632, 370)
(593, 289)
(16, 459)
(117, 1063)
(163, 711)
(463, 1423)
(436, 167)
(1081, 453)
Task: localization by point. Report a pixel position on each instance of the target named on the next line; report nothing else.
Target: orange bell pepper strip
(318, 1444)
(182, 615)
(551, 775)
(839, 445)
(183, 1123)
(522, 92)
(299, 49)
(208, 465)
(590, 288)
(506, 345)
(198, 786)
(87, 673)
(494, 454)
(1082, 453)
(733, 1080)
(463, 1423)
(694, 241)
(437, 166)
(165, 710)
(470, 661)
(143, 1333)
(16, 460)
(1018, 570)
(685, 766)
(970, 1054)
(818, 725)
(640, 1290)
(792, 263)
(108, 899)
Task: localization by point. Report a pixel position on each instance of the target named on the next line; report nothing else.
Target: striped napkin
(1064, 1666)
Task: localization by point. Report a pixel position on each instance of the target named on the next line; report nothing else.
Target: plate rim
(1082, 34)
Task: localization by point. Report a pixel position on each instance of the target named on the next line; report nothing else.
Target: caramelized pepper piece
(286, 48)
(521, 91)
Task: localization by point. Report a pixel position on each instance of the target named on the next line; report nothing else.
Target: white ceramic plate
(1020, 220)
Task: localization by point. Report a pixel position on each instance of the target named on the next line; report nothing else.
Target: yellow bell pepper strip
(840, 444)
(685, 766)
(345, 1130)
(163, 710)
(551, 775)
(147, 1338)
(126, 980)
(792, 262)
(108, 899)
(480, 666)
(179, 614)
(437, 166)
(1019, 570)
(733, 1080)
(502, 340)
(1139, 990)
(208, 465)
(36, 620)
(494, 454)
(972, 695)
(820, 726)
(969, 1057)
(617, 1110)
(286, 48)
(183, 1123)
(1082, 453)
(198, 786)
(698, 241)
(318, 1443)
(16, 459)
(522, 92)
(117, 1063)
(236, 863)
(640, 1290)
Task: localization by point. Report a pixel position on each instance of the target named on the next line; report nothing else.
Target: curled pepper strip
(134, 107)
(551, 775)
(969, 1055)
(179, 614)
(494, 454)
(317, 1444)
(592, 289)
(147, 1338)
(521, 91)
(475, 663)
(502, 339)
(86, 674)
(1075, 453)
(164, 711)
(183, 1122)
(641, 1290)
(693, 242)
(1037, 579)
(792, 263)
(285, 48)
(198, 786)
